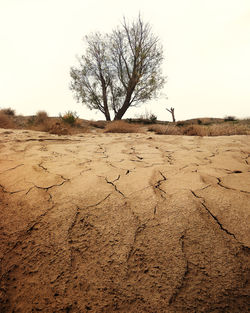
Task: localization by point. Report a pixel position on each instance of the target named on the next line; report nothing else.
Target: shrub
(230, 119)
(121, 127)
(5, 121)
(31, 120)
(181, 123)
(98, 124)
(58, 128)
(165, 129)
(41, 117)
(195, 130)
(153, 118)
(69, 117)
(8, 111)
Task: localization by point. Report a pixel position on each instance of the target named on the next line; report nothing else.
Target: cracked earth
(124, 223)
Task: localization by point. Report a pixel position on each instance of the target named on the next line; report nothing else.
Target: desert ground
(106, 222)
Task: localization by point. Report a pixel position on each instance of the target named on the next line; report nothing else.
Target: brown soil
(124, 223)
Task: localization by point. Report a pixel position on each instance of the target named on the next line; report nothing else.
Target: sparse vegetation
(121, 127)
(220, 129)
(69, 124)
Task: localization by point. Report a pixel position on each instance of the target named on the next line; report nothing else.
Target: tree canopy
(119, 70)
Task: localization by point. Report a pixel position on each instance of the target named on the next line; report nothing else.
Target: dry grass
(6, 121)
(221, 129)
(165, 129)
(226, 129)
(195, 130)
(121, 127)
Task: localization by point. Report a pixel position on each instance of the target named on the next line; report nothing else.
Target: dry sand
(124, 223)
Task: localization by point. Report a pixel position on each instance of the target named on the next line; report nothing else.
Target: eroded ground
(124, 223)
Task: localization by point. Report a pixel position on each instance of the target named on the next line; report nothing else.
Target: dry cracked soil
(124, 223)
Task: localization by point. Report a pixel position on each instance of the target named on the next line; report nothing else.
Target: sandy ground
(124, 223)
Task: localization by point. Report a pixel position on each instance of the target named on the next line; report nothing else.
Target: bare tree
(172, 112)
(119, 70)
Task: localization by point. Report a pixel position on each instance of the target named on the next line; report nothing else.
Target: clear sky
(206, 47)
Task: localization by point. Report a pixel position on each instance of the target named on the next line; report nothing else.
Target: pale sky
(206, 48)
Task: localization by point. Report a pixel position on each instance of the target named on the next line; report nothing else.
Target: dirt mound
(124, 223)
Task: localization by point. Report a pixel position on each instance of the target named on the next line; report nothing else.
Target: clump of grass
(69, 117)
(8, 111)
(121, 127)
(6, 121)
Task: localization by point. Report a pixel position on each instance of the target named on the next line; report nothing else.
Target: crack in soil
(12, 168)
(24, 234)
(182, 280)
(213, 216)
(138, 230)
(219, 183)
(114, 185)
(10, 192)
(158, 184)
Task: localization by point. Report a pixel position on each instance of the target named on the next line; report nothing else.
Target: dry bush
(8, 111)
(98, 124)
(41, 117)
(121, 127)
(6, 121)
(165, 129)
(195, 130)
(59, 128)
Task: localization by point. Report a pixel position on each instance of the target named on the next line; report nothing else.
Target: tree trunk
(172, 112)
(126, 103)
(107, 116)
(105, 100)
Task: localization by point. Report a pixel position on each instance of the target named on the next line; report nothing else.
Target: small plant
(8, 111)
(69, 117)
